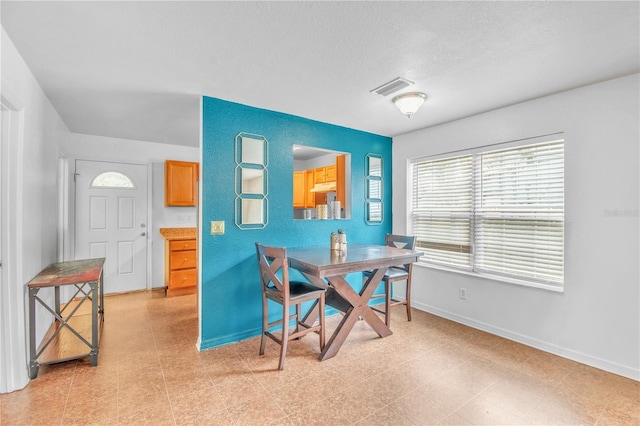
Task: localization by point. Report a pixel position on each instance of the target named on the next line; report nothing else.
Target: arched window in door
(112, 180)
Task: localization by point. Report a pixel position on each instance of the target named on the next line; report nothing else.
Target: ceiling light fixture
(408, 103)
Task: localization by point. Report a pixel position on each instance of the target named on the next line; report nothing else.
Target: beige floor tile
(518, 393)
(548, 367)
(196, 404)
(97, 409)
(624, 406)
(420, 409)
(40, 417)
(261, 408)
(563, 406)
(455, 420)
(147, 415)
(321, 413)
(356, 402)
(295, 396)
(452, 394)
(388, 415)
(481, 411)
(236, 391)
(217, 418)
(136, 398)
(589, 382)
(393, 384)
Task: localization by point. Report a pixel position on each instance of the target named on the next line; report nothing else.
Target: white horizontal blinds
(442, 210)
(519, 212)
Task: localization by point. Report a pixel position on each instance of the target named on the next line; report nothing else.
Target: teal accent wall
(231, 292)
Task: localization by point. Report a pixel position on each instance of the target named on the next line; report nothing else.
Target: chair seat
(297, 289)
(392, 273)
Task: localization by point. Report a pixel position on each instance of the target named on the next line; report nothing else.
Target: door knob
(143, 234)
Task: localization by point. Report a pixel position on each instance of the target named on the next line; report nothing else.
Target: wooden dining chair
(393, 274)
(274, 274)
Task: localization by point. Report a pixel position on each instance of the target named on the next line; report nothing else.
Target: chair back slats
(271, 260)
(404, 242)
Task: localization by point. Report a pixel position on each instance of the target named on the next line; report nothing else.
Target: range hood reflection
(324, 187)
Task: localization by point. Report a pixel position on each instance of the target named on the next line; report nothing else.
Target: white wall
(34, 189)
(88, 147)
(597, 319)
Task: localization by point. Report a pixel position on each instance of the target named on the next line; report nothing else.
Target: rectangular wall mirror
(373, 207)
(251, 179)
(321, 183)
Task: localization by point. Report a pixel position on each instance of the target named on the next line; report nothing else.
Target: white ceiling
(136, 70)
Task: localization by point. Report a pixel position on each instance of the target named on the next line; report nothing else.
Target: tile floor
(430, 371)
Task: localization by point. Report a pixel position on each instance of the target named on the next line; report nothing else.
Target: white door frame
(13, 301)
(65, 209)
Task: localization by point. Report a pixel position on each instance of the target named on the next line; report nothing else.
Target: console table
(75, 331)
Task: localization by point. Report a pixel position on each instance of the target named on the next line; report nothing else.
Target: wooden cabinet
(180, 267)
(180, 183)
(325, 174)
(330, 173)
(320, 175)
(340, 179)
(310, 197)
(299, 194)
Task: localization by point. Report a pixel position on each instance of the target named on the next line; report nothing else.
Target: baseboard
(245, 335)
(228, 339)
(580, 357)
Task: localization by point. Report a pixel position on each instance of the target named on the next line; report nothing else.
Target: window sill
(509, 280)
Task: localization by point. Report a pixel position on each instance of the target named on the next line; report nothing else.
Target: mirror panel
(322, 177)
(374, 211)
(374, 166)
(252, 212)
(374, 189)
(252, 181)
(253, 150)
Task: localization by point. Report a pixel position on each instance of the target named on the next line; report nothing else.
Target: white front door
(111, 221)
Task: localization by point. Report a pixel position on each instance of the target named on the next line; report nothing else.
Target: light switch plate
(217, 227)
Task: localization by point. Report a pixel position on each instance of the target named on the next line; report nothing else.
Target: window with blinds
(493, 212)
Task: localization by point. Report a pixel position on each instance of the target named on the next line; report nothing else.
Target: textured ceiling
(136, 70)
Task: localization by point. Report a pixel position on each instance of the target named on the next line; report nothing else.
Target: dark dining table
(329, 268)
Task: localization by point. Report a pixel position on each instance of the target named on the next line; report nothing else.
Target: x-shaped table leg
(358, 308)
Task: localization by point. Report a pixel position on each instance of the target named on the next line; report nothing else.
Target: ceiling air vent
(392, 86)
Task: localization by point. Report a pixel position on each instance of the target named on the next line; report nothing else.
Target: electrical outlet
(217, 227)
(463, 294)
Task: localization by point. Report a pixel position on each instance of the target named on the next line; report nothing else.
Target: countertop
(178, 233)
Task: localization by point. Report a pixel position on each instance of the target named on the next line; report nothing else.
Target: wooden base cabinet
(180, 261)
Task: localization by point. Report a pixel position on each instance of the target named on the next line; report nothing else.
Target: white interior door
(111, 221)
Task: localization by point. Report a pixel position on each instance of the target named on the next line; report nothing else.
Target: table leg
(101, 293)
(93, 355)
(358, 301)
(33, 362)
(314, 313)
(367, 313)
